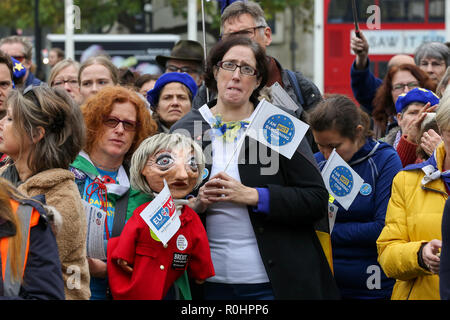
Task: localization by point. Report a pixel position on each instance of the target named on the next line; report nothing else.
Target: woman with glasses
(259, 207)
(117, 121)
(65, 75)
(42, 133)
(399, 79)
(96, 73)
(171, 98)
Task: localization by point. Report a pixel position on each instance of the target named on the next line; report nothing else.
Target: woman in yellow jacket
(410, 242)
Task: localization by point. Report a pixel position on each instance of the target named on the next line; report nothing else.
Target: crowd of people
(85, 153)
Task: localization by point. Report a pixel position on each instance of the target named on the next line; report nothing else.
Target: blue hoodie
(356, 270)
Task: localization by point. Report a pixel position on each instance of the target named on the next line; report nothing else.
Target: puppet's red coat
(155, 268)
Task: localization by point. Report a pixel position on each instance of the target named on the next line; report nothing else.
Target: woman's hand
(124, 265)
(430, 255)
(429, 141)
(200, 203)
(97, 268)
(223, 188)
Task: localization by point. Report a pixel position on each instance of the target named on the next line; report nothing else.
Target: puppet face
(178, 166)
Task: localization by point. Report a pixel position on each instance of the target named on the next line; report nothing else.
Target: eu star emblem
(18, 67)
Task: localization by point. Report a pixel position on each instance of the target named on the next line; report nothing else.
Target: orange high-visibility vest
(28, 217)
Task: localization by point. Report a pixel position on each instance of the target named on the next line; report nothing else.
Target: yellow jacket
(413, 217)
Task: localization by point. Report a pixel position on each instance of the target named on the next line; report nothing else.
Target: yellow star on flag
(18, 66)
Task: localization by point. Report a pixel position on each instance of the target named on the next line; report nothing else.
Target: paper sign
(161, 216)
(281, 98)
(341, 181)
(95, 229)
(332, 212)
(276, 129)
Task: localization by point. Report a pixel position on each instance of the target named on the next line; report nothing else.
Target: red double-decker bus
(404, 25)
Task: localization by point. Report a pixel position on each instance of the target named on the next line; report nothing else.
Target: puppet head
(173, 157)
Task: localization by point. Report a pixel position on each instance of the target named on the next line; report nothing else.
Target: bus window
(340, 11)
(402, 11)
(436, 11)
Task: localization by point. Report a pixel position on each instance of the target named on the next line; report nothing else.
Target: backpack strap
(296, 86)
(120, 214)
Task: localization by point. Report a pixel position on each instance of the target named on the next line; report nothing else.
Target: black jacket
(290, 250)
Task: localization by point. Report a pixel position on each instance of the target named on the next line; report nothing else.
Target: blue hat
(416, 95)
(184, 78)
(19, 70)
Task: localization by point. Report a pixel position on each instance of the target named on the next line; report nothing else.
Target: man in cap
(21, 50)
(247, 19)
(186, 56)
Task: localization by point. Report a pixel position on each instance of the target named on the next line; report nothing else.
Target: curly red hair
(96, 108)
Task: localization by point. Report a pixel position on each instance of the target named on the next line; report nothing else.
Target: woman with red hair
(399, 79)
(117, 121)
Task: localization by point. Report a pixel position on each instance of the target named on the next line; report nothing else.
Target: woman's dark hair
(383, 105)
(222, 47)
(338, 112)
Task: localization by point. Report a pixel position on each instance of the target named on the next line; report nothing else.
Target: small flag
(341, 181)
(276, 129)
(160, 215)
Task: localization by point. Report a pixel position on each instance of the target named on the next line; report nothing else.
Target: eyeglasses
(231, 66)
(400, 86)
(434, 64)
(172, 68)
(248, 32)
(19, 58)
(128, 125)
(61, 82)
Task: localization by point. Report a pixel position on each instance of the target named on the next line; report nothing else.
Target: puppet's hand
(124, 265)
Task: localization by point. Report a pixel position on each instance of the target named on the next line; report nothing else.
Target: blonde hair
(443, 111)
(156, 143)
(101, 60)
(61, 65)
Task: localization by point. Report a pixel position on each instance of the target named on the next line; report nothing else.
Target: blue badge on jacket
(366, 189)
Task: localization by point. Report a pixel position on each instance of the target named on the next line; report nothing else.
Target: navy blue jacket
(364, 86)
(43, 275)
(444, 271)
(356, 270)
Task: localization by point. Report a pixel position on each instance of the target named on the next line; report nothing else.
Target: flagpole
(204, 42)
(241, 141)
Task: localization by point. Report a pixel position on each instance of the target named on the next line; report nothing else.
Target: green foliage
(98, 14)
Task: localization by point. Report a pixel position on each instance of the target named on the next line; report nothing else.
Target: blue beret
(184, 78)
(416, 95)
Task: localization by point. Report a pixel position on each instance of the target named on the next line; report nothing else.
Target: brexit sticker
(180, 261)
(341, 181)
(163, 215)
(278, 130)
